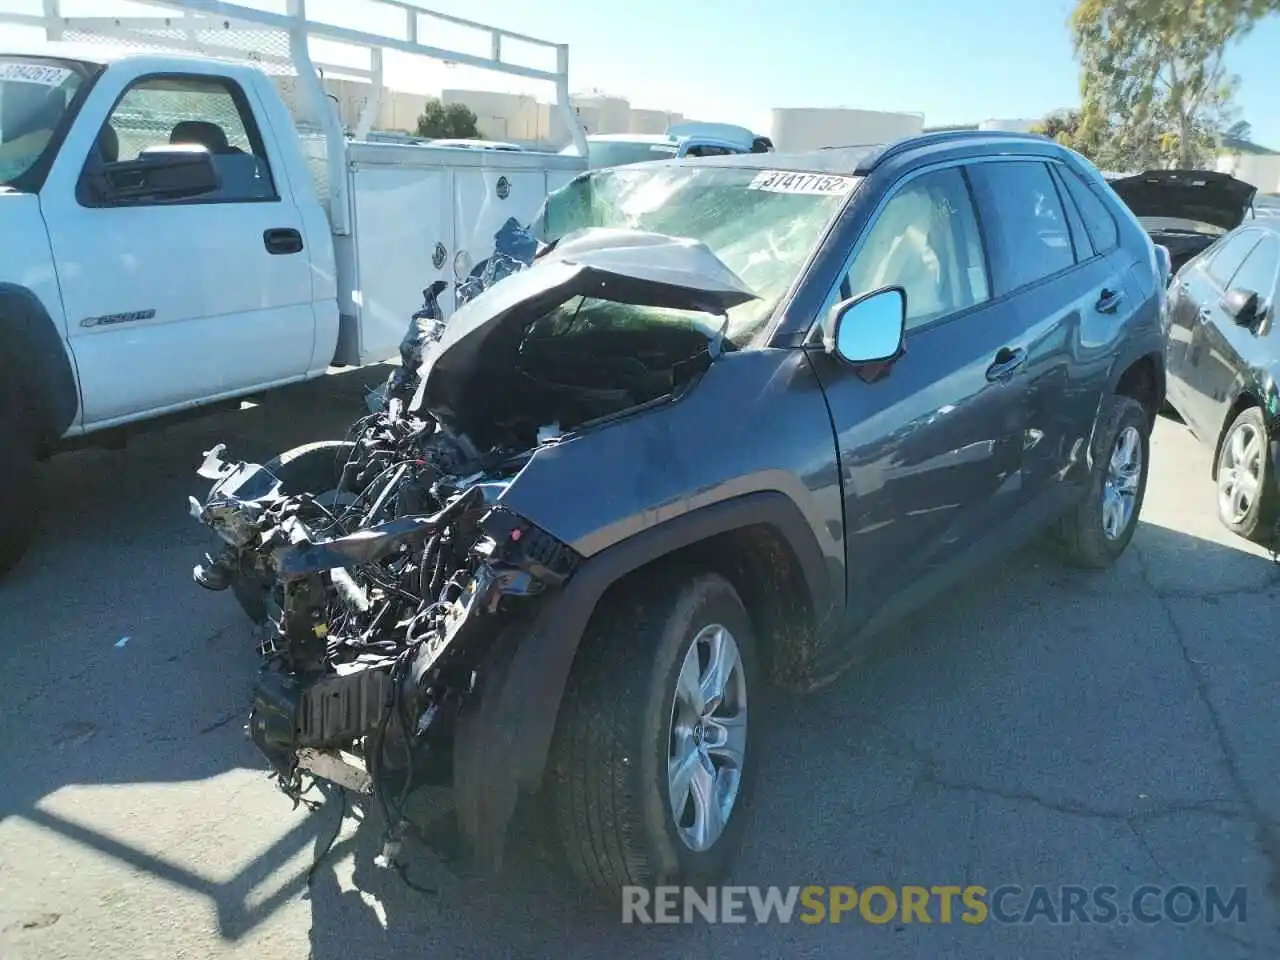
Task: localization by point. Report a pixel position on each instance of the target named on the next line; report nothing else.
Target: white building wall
(400, 111)
(588, 118)
(612, 114)
(810, 128)
(501, 116)
(1261, 170)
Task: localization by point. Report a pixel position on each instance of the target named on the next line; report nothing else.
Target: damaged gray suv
(735, 416)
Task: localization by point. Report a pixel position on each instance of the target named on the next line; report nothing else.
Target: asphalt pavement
(1040, 726)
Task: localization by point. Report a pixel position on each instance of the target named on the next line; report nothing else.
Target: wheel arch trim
(503, 738)
(31, 344)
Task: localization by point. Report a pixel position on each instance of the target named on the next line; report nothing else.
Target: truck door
(174, 302)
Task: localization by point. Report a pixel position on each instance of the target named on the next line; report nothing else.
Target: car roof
(860, 160)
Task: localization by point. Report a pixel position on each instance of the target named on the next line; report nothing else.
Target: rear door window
(1104, 235)
(1258, 272)
(1023, 220)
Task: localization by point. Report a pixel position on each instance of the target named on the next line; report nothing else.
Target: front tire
(654, 758)
(1098, 529)
(17, 490)
(1246, 495)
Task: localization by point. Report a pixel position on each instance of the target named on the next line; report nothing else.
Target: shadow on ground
(1040, 725)
(1009, 736)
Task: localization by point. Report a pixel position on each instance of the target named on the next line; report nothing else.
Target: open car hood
(625, 266)
(1201, 195)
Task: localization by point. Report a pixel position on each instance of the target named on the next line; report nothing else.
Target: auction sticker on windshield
(817, 184)
(39, 73)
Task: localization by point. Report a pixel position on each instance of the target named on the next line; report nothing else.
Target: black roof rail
(898, 147)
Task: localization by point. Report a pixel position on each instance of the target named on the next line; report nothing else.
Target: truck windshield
(762, 224)
(35, 95)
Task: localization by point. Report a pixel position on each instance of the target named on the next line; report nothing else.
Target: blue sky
(734, 60)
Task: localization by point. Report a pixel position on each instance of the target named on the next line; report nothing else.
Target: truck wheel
(17, 491)
(1246, 491)
(314, 468)
(1099, 528)
(654, 759)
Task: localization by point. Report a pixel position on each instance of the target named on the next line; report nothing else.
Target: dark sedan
(1222, 356)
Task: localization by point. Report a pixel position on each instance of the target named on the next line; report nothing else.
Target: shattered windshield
(34, 97)
(762, 224)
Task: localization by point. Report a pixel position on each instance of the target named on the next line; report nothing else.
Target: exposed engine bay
(381, 596)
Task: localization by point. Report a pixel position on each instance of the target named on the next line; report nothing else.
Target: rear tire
(1098, 529)
(629, 751)
(1246, 490)
(17, 490)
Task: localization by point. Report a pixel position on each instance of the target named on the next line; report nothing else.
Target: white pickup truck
(170, 240)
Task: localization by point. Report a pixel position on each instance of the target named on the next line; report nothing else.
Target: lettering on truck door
(170, 300)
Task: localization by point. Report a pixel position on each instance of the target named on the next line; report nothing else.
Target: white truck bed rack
(280, 43)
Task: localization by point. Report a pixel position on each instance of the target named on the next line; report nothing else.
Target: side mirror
(170, 172)
(869, 328)
(1242, 306)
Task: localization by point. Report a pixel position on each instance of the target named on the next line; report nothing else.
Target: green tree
(455, 121)
(1239, 132)
(1154, 82)
(1064, 127)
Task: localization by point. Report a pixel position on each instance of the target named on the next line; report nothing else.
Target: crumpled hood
(1203, 195)
(625, 266)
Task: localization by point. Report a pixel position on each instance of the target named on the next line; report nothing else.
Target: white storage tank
(652, 121)
(811, 128)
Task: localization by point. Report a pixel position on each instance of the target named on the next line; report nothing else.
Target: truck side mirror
(169, 172)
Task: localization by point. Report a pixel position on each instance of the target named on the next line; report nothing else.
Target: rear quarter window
(1023, 220)
(1098, 221)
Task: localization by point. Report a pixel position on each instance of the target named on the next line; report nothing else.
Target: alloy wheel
(1240, 473)
(708, 737)
(1120, 488)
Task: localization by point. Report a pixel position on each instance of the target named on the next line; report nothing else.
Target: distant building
(502, 116)
(1262, 170)
(811, 128)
